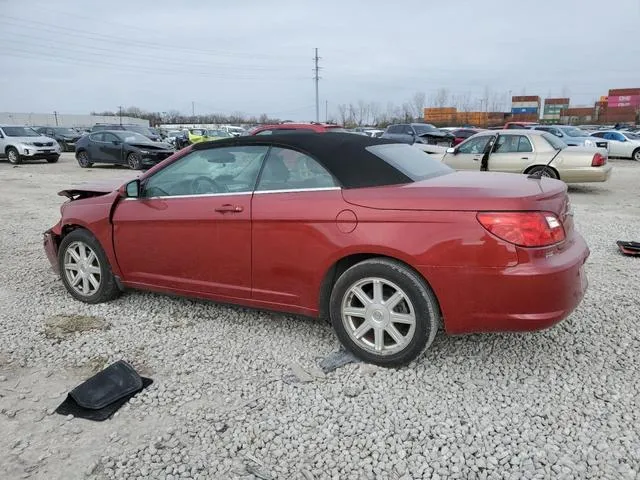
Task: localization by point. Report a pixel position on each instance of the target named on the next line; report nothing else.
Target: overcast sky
(255, 56)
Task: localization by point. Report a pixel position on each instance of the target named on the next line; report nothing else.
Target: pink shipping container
(624, 101)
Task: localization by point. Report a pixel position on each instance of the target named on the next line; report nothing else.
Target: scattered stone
(60, 326)
(337, 359)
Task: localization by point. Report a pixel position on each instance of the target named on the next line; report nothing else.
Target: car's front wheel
(85, 269)
(636, 155)
(13, 156)
(384, 312)
(134, 161)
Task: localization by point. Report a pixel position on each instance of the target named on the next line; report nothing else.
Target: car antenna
(538, 174)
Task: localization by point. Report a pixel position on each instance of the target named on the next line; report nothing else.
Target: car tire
(134, 161)
(83, 159)
(13, 156)
(85, 269)
(546, 172)
(53, 159)
(636, 155)
(366, 326)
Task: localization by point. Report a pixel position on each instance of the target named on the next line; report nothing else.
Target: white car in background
(19, 143)
(233, 130)
(621, 144)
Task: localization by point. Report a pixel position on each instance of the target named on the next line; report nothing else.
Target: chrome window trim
(297, 190)
(205, 195)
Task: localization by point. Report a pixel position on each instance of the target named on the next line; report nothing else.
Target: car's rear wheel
(544, 171)
(384, 312)
(13, 156)
(636, 154)
(85, 269)
(83, 159)
(134, 161)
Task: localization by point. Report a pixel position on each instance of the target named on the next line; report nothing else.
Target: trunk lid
(467, 191)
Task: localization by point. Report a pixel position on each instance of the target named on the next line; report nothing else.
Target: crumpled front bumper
(51, 241)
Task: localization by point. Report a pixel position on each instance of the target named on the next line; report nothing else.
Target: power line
(316, 78)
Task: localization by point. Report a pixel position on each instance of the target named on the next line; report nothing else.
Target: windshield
(574, 132)
(632, 136)
(65, 131)
(424, 128)
(142, 130)
(554, 141)
(132, 137)
(411, 161)
(20, 132)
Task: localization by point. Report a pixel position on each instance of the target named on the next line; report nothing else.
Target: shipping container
(525, 110)
(604, 98)
(577, 111)
(624, 101)
(624, 91)
(440, 110)
(526, 98)
(525, 105)
(556, 101)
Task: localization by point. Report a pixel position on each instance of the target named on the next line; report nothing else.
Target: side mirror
(451, 150)
(132, 189)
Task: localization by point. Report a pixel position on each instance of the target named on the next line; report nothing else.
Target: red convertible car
(374, 236)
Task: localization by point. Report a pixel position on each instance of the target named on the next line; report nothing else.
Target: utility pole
(120, 113)
(55, 114)
(316, 69)
(326, 111)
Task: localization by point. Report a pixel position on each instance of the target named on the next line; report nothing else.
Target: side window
(524, 145)
(474, 145)
(599, 135)
(109, 137)
(97, 137)
(618, 136)
(407, 130)
(1, 134)
(513, 143)
(287, 169)
(265, 132)
(203, 172)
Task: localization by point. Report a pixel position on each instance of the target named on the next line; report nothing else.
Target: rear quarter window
(411, 161)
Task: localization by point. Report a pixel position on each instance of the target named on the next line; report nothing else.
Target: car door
(468, 155)
(93, 147)
(111, 148)
(396, 132)
(512, 153)
(625, 147)
(295, 210)
(616, 149)
(190, 229)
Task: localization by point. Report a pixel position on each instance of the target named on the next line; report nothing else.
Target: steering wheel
(204, 184)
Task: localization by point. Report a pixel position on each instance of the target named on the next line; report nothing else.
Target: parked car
(519, 125)
(530, 152)
(121, 148)
(232, 130)
(141, 129)
(66, 137)
(19, 143)
(299, 127)
(573, 136)
(203, 135)
(461, 134)
(367, 233)
(424, 133)
(621, 144)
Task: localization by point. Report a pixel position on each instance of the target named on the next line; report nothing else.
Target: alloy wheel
(378, 316)
(82, 268)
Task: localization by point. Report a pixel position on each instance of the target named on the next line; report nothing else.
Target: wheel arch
(528, 169)
(347, 261)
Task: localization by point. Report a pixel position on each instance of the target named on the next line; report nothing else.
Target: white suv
(19, 143)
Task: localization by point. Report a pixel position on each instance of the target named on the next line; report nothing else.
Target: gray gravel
(241, 394)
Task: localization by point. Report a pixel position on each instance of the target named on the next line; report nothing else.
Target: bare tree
(343, 112)
(363, 113)
(418, 102)
(465, 104)
(374, 111)
(441, 98)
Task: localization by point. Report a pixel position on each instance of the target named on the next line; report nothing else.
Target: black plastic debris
(99, 397)
(629, 248)
(336, 360)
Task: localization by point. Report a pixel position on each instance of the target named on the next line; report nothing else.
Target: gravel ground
(238, 393)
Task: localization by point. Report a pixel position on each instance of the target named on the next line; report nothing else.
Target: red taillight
(526, 229)
(598, 160)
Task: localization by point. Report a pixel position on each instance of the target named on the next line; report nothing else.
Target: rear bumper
(50, 241)
(587, 174)
(530, 296)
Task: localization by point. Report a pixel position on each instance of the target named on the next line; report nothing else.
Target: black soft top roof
(342, 154)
